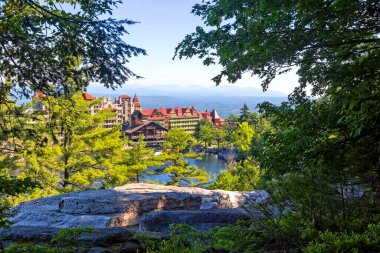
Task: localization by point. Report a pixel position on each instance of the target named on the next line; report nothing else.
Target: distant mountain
(196, 90)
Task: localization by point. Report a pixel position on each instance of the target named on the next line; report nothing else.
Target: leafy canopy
(62, 45)
(268, 38)
(321, 156)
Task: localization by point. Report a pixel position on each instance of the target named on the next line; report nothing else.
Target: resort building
(153, 133)
(122, 106)
(185, 118)
(213, 117)
(153, 123)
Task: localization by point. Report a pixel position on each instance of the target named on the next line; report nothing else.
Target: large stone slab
(124, 206)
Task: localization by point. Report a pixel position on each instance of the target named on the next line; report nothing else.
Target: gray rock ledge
(128, 205)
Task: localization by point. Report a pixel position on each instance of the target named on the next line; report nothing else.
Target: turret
(136, 103)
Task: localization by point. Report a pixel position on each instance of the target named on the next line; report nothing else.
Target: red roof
(205, 115)
(124, 96)
(214, 114)
(163, 113)
(136, 102)
(87, 96)
(147, 112)
(39, 94)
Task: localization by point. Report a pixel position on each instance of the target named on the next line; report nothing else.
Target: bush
(328, 241)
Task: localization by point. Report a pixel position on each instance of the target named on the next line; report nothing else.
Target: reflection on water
(210, 162)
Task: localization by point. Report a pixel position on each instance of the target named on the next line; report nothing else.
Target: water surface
(209, 162)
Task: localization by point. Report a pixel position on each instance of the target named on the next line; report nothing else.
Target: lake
(209, 161)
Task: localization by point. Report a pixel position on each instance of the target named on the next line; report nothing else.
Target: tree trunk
(66, 176)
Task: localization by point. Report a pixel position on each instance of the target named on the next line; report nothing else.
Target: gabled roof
(214, 114)
(87, 96)
(205, 115)
(163, 113)
(124, 96)
(146, 123)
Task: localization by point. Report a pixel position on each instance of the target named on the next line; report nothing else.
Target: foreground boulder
(117, 214)
(125, 206)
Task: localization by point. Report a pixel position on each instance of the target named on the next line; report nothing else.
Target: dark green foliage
(49, 48)
(245, 115)
(321, 156)
(13, 186)
(268, 38)
(183, 238)
(64, 242)
(366, 242)
(244, 176)
(205, 132)
(57, 47)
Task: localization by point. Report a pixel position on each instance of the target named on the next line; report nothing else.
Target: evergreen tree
(177, 142)
(138, 158)
(77, 151)
(13, 135)
(245, 115)
(44, 47)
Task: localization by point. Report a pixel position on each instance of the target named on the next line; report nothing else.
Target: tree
(219, 136)
(321, 155)
(242, 137)
(56, 47)
(177, 141)
(242, 177)
(45, 46)
(245, 114)
(77, 151)
(268, 38)
(180, 171)
(205, 131)
(138, 157)
(10, 143)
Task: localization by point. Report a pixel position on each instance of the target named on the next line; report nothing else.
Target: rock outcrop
(124, 206)
(140, 207)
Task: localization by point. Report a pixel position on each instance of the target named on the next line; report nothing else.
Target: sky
(163, 24)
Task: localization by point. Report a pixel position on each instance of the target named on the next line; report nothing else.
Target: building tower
(125, 102)
(136, 103)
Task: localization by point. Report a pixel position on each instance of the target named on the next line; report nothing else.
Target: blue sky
(163, 24)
